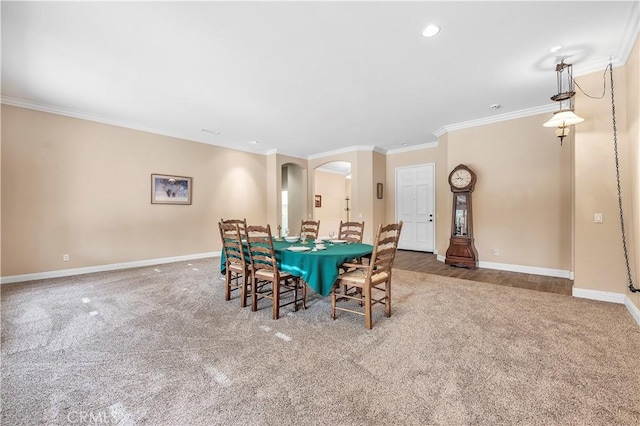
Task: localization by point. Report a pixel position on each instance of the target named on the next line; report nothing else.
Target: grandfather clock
(462, 251)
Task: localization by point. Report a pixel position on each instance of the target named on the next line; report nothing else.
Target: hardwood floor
(427, 262)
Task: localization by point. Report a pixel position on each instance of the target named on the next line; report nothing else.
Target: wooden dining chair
(359, 281)
(309, 228)
(242, 224)
(351, 231)
(237, 269)
(268, 281)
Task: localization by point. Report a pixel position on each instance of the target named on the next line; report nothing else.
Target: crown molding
(274, 151)
(413, 148)
(67, 112)
(631, 32)
(621, 56)
(497, 118)
(368, 148)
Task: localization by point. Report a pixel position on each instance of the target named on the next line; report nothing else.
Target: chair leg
(387, 295)
(304, 294)
(276, 299)
(254, 292)
(333, 303)
(227, 284)
(367, 307)
(243, 291)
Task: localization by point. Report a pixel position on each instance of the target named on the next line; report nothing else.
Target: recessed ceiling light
(431, 30)
(403, 144)
(554, 49)
(254, 142)
(213, 132)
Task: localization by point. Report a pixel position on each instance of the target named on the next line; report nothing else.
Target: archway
(294, 198)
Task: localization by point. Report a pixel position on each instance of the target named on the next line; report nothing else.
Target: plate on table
(292, 239)
(339, 241)
(298, 248)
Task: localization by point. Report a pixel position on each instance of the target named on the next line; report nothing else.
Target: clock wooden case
(462, 251)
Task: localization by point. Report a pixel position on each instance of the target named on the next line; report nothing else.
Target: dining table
(319, 268)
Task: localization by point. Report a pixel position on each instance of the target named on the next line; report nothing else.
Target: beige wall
(599, 263)
(379, 171)
(332, 187)
(83, 188)
(522, 198)
(522, 201)
(633, 118)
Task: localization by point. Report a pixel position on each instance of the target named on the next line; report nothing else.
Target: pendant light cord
(615, 149)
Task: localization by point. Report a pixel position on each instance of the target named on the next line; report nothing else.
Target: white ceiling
(302, 78)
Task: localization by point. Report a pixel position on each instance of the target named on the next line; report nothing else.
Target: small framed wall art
(380, 191)
(318, 200)
(169, 189)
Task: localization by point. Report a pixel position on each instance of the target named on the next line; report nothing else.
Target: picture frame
(380, 191)
(318, 200)
(171, 189)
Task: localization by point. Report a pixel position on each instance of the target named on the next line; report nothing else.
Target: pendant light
(565, 116)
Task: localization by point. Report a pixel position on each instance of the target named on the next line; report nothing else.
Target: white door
(415, 197)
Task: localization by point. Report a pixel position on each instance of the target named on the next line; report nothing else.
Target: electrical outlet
(496, 252)
(65, 257)
(597, 217)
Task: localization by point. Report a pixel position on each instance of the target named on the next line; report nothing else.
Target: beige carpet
(159, 346)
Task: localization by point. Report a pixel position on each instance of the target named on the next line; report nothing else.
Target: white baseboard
(603, 296)
(559, 273)
(102, 268)
(633, 309)
(607, 296)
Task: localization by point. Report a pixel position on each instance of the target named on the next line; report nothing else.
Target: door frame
(433, 198)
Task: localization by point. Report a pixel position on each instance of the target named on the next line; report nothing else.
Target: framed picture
(318, 200)
(168, 189)
(380, 191)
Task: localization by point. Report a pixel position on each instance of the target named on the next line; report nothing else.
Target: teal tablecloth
(318, 269)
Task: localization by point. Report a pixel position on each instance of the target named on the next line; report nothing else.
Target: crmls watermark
(89, 417)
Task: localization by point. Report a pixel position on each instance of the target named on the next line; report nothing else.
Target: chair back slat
(351, 231)
(242, 224)
(309, 229)
(232, 244)
(384, 249)
(261, 251)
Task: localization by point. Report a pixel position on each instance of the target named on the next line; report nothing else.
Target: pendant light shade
(563, 119)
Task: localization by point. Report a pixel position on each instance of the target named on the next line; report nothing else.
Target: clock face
(461, 178)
